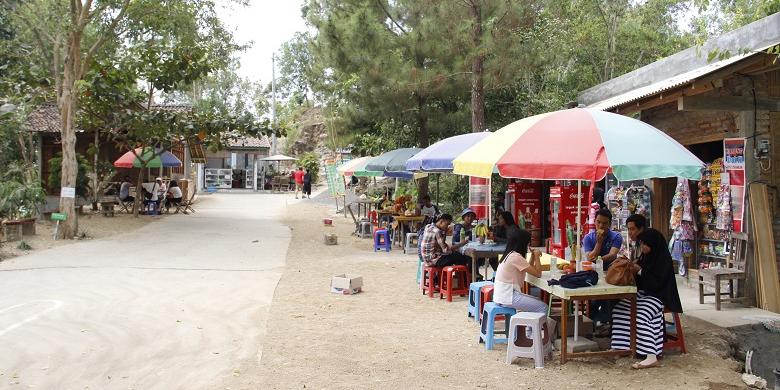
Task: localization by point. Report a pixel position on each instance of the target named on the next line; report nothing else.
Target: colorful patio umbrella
(278, 157)
(131, 160)
(579, 144)
(393, 163)
(438, 157)
(357, 167)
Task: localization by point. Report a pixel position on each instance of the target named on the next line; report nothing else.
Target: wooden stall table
(384, 216)
(367, 205)
(601, 291)
(408, 221)
(476, 250)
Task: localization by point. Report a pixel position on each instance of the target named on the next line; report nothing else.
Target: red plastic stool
(676, 340)
(429, 280)
(452, 275)
(485, 295)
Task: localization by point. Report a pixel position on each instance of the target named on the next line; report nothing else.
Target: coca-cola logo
(574, 196)
(527, 191)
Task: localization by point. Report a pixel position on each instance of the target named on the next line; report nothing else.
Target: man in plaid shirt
(434, 249)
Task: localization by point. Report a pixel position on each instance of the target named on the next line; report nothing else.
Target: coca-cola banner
(734, 165)
(528, 195)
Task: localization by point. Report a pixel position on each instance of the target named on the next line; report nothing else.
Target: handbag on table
(622, 272)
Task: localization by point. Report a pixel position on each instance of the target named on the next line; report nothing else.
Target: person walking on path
(307, 184)
(298, 176)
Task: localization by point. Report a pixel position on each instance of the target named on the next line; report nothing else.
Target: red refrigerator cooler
(563, 213)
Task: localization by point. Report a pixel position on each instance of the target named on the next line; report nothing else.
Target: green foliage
(20, 194)
(452, 192)
(311, 162)
(82, 178)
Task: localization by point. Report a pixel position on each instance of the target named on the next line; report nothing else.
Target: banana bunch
(481, 230)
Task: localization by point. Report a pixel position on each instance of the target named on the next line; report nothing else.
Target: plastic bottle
(554, 265)
(600, 266)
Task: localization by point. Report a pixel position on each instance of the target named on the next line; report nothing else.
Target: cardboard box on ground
(346, 284)
(331, 239)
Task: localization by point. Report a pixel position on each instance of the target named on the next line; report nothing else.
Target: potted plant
(19, 205)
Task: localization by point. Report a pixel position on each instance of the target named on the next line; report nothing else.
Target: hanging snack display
(682, 224)
(723, 217)
(623, 202)
(616, 197)
(705, 198)
(714, 215)
(638, 201)
(716, 168)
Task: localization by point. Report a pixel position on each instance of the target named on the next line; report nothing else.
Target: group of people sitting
(443, 254)
(648, 250)
(159, 195)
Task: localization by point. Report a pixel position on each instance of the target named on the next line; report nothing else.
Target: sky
(267, 23)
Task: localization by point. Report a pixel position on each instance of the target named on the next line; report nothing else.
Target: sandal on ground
(640, 366)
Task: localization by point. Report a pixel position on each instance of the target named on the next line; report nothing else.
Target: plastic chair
(365, 229)
(382, 240)
(676, 340)
(537, 347)
(408, 246)
(485, 296)
(430, 279)
(475, 301)
(451, 276)
(487, 332)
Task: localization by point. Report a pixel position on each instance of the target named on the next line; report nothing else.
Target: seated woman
(510, 276)
(505, 226)
(174, 195)
(657, 288)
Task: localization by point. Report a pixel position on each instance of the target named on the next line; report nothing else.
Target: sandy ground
(391, 336)
(93, 225)
(180, 303)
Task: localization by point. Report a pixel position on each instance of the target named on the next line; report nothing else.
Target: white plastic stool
(519, 345)
(365, 230)
(408, 247)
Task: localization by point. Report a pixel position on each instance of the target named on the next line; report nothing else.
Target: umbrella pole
(579, 233)
(579, 218)
(438, 175)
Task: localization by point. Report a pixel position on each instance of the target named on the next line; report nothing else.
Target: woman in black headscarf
(307, 184)
(657, 289)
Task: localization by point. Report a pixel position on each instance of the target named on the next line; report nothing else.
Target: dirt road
(178, 304)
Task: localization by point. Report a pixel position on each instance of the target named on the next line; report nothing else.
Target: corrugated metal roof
(667, 84)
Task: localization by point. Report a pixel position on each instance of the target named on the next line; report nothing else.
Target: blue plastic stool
(487, 330)
(419, 268)
(382, 240)
(474, 298)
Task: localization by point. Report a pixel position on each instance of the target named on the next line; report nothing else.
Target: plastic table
(602, 290)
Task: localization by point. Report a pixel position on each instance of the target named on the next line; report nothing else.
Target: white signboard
(68, 192)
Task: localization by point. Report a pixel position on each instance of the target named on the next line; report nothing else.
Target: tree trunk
(95, 179)
(477, 70)
(68, 104)
(139, 193)
(424, 140)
